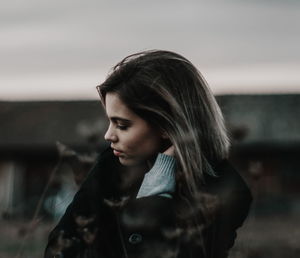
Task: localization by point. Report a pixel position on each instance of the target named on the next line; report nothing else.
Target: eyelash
(122, 127)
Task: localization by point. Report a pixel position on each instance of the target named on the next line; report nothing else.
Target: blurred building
(265, 131)
(266, 147)
(29, 153)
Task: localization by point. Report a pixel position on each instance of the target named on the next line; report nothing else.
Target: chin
(129, 162)
(126, 162)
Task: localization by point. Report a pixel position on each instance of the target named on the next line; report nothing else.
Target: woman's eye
(122, 127)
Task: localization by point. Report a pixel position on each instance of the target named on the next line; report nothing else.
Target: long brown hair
(166, 90)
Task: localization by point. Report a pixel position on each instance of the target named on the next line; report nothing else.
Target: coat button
(135, 238)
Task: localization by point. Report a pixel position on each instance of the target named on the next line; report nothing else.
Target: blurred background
(54, 53)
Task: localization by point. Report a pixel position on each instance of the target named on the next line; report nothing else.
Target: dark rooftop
(259, 119)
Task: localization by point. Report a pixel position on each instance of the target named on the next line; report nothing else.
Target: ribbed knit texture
(160, 180)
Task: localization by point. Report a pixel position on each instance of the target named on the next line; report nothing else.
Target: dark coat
(107, 221)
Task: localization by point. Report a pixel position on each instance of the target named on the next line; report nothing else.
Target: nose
(110, 135)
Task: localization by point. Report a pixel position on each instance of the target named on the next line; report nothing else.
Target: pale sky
(63, 49)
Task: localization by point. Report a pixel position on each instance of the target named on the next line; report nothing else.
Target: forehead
(115, 107)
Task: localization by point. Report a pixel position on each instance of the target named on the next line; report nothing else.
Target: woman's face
(133, 140)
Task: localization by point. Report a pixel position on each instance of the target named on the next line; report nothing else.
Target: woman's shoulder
(226, 176)
(233, 203)
(231, 189)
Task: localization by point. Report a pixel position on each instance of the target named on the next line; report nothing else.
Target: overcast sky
(63, 49)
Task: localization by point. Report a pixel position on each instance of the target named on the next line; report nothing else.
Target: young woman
(164, 187)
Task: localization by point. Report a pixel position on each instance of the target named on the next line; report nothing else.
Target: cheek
(132, 143)
(140, 140)
(147, 143)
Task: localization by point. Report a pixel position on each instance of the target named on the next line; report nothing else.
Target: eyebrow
(119, 119)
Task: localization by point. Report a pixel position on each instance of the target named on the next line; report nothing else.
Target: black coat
(106, 221)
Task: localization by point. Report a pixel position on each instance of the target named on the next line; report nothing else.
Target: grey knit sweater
(160, 179)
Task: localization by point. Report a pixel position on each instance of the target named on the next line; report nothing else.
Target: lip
(117, 152)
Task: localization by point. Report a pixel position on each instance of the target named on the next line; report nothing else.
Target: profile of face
(133, 140)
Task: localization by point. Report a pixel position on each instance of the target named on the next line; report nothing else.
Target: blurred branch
(79, 163)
